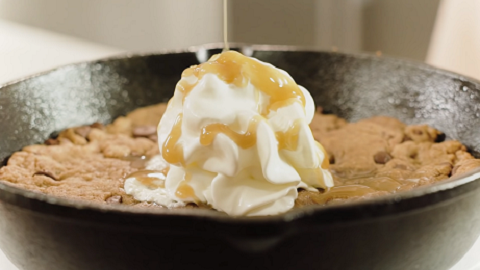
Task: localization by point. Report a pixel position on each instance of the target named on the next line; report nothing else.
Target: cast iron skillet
(427, 228)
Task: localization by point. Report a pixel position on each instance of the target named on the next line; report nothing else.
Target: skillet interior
(351, 86)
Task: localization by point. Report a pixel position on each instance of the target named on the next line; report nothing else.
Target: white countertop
(26, 50)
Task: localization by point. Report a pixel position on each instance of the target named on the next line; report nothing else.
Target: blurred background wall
(127, 24)
(399, 28)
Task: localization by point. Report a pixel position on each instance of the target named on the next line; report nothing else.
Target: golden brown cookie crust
(370, 158)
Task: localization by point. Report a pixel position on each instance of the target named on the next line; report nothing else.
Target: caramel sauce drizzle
(234, 68)
(171, 151)
(325, 163)
(143, 176)
(283, 103)
(245, 140)
(377, 183)
(288, 140)
(344, 192)
(184, 190)
(138, 162)
(225, 25)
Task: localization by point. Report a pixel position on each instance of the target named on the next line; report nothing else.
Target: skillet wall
(350, 86)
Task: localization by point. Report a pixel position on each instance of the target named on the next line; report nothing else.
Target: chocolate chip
(417, 132)
(331, 159)
(441, 137)
(52, 142)
(406, 138)
(45, 173)
(117, 199)
(54, 134)
(83, 131)
(97, 125)
(382, 157)
(454, 170)
(144, 131)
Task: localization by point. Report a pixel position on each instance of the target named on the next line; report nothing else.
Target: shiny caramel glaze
(288, 140)
(225, 25)
(376, 183)
(145, 177)
(138, 162)
(344, 192)
(184, 190)
(245, 140)
(325, 163)
(171, 151)
(234, 68)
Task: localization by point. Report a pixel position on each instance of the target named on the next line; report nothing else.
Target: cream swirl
(236, 137)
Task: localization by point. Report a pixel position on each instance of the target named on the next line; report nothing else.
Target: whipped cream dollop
(235, 136)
